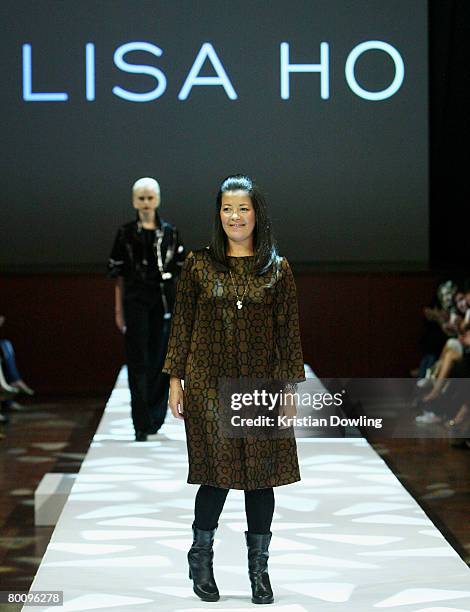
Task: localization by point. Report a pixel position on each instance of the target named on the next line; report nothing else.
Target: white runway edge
(347, 537)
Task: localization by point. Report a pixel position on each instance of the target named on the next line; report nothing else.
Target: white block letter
(207, 51)
(90, 71)
(399, 70)
(28, 94)
(323, 68)
(139, 69)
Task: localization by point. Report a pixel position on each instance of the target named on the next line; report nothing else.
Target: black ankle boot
(200, 557)
(258, 555)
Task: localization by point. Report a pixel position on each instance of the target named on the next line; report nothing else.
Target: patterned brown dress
(211, 338)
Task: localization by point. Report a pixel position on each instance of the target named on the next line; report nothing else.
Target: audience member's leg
(426, 362)
(10, 370)
(8, 375)
(8, 362)
(449, 359)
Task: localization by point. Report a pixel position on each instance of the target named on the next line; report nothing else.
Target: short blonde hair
(146, 183)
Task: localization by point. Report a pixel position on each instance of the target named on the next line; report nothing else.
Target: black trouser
(146, 343)
(259, 507)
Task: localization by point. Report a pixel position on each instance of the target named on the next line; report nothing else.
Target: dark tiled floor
(438, 477)
(47, 436)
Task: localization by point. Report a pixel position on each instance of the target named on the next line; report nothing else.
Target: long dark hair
(265, 253)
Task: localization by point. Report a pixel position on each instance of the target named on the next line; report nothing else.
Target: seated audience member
(11, 382)
(459, 424)
(455, 364)
(453, 348)
(435, 334)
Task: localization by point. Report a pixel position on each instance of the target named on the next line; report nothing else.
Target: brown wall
(353, 324)
(365, 325)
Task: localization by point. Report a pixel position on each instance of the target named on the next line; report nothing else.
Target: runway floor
(347, 537)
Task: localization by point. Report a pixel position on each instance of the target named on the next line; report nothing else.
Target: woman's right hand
(120, 322)
(176, 399)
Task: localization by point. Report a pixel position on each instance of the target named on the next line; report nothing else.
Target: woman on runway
(235, 316)
(146, 260)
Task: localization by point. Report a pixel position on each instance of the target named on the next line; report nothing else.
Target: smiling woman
(235, 317)
(238, 220)
(242, 226)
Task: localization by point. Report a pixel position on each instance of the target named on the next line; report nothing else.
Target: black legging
(259, 507)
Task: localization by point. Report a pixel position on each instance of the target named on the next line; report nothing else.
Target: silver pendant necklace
(239, 299)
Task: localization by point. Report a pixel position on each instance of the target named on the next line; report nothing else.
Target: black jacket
(142, 270)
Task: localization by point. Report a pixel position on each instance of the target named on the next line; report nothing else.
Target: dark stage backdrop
(96, 94)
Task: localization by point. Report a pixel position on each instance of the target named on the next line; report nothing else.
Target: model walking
(146, 260)
(235, 316)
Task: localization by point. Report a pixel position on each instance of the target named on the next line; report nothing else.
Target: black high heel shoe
(200, 558)
(258, 555)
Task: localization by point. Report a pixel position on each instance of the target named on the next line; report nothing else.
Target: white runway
(347, 537)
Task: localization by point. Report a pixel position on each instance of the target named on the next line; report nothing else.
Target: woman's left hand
(288, 409)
